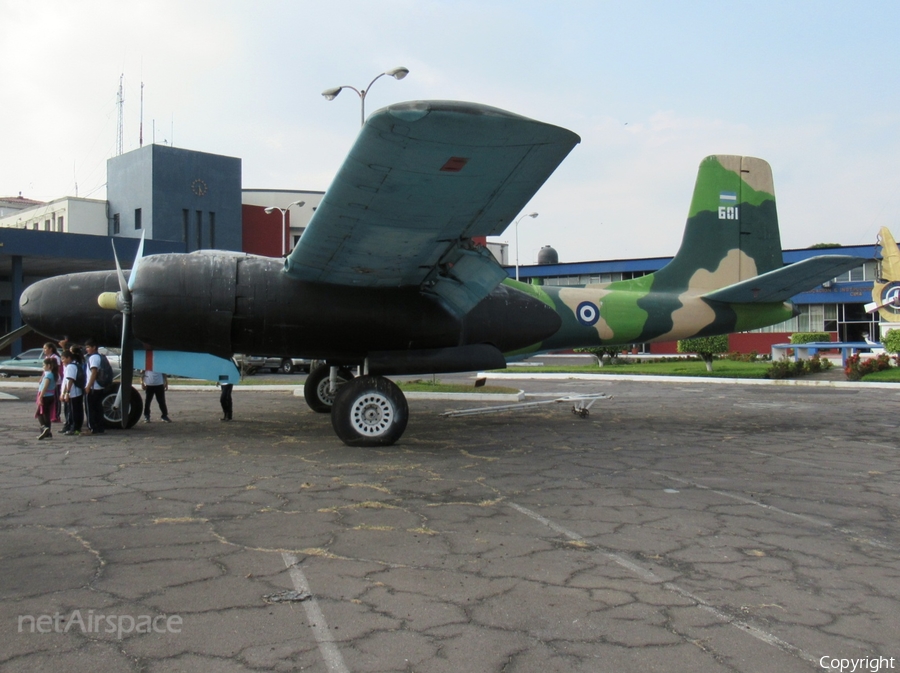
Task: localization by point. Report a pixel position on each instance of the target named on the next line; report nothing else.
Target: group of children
(61, 389)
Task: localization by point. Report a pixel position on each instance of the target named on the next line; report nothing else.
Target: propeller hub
(108, 300)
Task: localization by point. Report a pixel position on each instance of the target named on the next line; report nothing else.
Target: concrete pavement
(682, 526)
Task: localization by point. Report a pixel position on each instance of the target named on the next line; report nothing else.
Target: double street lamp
(284, 222)
(532, 215)
(331, 94)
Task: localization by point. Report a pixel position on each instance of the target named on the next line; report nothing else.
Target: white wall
(69, 214)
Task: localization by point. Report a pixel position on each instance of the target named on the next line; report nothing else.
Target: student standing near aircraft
(47, 398)
(156, 385)
(73, 394)
(93, 389)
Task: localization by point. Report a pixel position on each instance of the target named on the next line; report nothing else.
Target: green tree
(705, 347)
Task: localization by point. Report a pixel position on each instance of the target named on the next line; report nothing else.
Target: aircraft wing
(782, 284)
(422, 179)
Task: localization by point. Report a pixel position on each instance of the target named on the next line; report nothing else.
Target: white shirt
(71, 375)
(152, 378)
(92, 362)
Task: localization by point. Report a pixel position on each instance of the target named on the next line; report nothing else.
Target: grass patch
(891, 375)
(728, 369)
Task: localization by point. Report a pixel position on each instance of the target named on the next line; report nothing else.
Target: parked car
(254, 363)
(31, 363)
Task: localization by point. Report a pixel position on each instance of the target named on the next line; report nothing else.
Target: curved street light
(532, 215)
(284, 221)
(331, 94)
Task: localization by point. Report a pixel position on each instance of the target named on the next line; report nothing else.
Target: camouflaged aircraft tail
(731, 233)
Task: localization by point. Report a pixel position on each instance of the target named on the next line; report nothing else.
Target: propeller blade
(123, 284)
(137, 260)
(123, 397)
(126, 357)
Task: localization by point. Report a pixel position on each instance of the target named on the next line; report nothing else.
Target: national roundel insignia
(890, 297)
(587, 313)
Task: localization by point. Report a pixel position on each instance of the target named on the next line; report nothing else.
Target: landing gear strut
(112, 415)
(317, 389)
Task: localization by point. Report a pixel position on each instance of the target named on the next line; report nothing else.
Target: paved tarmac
(682, 526)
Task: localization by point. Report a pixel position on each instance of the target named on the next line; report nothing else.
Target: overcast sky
(651, 88)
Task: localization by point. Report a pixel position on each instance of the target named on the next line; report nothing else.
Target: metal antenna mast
(120, 103)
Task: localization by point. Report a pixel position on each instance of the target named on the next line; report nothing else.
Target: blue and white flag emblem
(728, 198)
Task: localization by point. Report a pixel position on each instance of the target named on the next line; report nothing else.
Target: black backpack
(105, 373)
(80, 376)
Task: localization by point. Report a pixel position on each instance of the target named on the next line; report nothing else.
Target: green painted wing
(422, 179)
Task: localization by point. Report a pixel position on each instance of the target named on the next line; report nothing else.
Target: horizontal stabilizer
(201, 366)
(782, 284)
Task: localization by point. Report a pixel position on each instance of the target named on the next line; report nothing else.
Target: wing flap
(782, 284)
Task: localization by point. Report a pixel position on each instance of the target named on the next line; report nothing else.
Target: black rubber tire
(287, 367)
(113, 420)
(315, 389)
(369, 411)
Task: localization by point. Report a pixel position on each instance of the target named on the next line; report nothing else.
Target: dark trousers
(95, 411)
(160, 393)
(225, 400)
(46, 413)
(76, 413)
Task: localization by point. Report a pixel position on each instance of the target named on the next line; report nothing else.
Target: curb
(538, 376)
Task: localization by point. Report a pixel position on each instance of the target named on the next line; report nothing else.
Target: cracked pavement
(680, 527)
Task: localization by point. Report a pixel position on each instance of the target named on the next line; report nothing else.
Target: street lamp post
(284, 222)
(517, 240)
(331, 94)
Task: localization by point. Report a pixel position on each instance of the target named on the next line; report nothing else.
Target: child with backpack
(74, 381)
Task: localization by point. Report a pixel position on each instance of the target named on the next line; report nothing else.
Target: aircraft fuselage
(224, 303)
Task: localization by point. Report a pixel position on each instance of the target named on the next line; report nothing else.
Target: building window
(116, 224)
(46, 225)
(199, 230)
(185, 223)
(60, 224)
(137, 219)
(212, 230)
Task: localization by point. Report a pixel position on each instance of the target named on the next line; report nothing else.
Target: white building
(69, 214)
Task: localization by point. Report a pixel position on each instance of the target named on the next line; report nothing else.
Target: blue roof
(650, 264)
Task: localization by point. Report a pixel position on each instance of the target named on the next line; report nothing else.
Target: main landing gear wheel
(316, 389)
(369, 411)
(112, 416)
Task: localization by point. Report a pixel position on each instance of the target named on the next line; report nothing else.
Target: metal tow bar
(581, 405)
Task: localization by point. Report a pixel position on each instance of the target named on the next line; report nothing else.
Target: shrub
(809, 337)
(857, 368)
(891, 340)
(788, 369)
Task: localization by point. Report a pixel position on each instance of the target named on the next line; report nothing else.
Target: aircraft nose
(29, 304)
(67, 306)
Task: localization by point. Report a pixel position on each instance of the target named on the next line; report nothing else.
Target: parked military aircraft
(386, 277)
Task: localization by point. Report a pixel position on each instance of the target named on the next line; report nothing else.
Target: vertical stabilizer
(732, 228)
